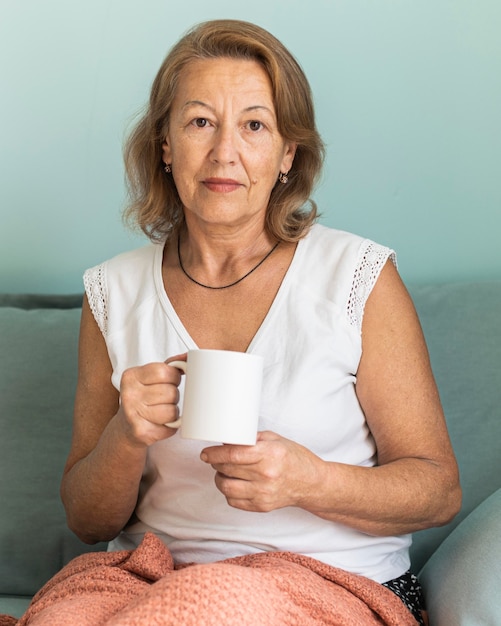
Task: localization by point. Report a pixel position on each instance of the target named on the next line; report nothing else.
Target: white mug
(221, 396)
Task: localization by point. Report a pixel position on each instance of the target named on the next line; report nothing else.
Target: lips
(222, 185)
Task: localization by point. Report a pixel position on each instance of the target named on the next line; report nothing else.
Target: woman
(353, 453)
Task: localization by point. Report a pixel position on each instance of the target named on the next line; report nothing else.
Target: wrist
(317, 489)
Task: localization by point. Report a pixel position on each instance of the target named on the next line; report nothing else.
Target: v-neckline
(176, 320)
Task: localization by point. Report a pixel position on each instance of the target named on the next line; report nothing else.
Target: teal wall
(408, 97)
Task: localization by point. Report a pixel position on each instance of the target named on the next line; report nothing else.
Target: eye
(255, 125)
(200, 122)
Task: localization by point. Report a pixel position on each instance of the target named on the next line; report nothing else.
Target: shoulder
(130, 260)
(327, 235)
(123, 279)
(348, 266)
(349, 249)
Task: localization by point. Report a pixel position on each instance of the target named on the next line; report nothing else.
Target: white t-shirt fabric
(311, 344)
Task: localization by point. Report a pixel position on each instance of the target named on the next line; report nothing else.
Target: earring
(168, 168)
(283, 178)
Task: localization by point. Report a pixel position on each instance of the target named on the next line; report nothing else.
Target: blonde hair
(155, 205)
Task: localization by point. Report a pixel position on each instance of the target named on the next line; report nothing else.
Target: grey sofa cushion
(462, 325)
(462, 578)
(38, 357)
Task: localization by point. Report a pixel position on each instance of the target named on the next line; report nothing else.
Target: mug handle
(181, 365)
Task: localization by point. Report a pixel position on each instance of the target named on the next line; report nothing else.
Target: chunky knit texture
(145, 587)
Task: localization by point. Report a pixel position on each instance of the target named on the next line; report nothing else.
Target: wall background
(408, 98)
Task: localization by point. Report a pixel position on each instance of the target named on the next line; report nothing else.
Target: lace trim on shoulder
(366, 274)
(96, 294)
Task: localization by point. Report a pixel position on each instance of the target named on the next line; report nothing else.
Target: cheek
(184, 147)
(186, 165)
(184, 185)
(266, 172)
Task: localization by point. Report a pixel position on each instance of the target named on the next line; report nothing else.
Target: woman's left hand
(275, 473)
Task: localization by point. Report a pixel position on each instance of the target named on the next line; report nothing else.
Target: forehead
(210, 78)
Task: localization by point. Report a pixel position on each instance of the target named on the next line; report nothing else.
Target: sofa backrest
(38, 364)
(38, 358)
(462, 325)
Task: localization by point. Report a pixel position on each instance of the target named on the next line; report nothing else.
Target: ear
(288, 158)
(166, 152)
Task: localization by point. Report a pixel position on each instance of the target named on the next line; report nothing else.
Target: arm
(101, 479)
(415, 482)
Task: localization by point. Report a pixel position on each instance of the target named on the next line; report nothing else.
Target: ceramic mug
(221, 396)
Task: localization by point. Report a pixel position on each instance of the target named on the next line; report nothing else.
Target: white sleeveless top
(311, 344)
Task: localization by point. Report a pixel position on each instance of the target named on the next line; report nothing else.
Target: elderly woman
(353, 453)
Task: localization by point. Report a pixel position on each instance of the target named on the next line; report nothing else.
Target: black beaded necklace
(224, 286)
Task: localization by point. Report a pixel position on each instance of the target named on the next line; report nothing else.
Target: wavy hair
(155, 205)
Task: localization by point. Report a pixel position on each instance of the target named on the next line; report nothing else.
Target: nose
(225, 146)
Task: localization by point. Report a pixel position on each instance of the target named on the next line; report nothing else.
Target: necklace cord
(223, 286)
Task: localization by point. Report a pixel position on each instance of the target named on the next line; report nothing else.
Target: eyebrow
(254, 107)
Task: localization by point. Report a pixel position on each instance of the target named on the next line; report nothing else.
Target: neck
(219, 265)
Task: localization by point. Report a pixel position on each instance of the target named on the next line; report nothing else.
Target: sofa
(459, 564)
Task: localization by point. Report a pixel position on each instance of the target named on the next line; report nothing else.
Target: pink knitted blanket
(145, 587)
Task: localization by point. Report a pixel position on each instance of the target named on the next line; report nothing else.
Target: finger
(150, 374)
(230, 454)
(245, 504)
(157, 413)
(178, 357)
(237, 472)
(149, 395)
(230, 487)
(147, 425)
(242, 494)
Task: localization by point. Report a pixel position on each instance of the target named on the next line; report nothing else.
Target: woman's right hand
(149, 397)
(111, 434)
